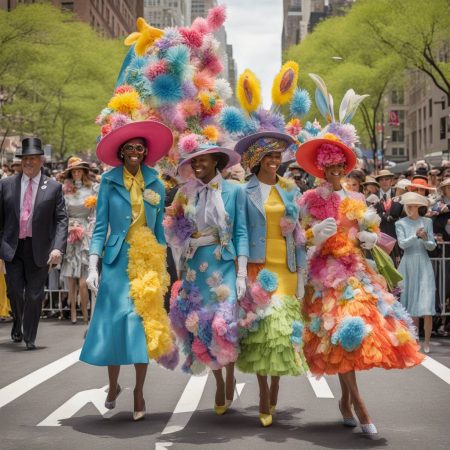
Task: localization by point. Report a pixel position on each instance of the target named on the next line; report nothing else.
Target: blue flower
(167, 89)
(297, 332)
(314, 326)
(268, 280)
(300, 103)
(292, 211)
(350, 333)
(178, 58)
(232, 120)
(205, 331)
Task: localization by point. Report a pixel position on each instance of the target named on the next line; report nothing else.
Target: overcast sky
(254, 29)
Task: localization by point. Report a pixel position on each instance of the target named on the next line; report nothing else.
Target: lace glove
(367, 239)
(92, 279)
(300, 293)
(324, 230)
(241, 284)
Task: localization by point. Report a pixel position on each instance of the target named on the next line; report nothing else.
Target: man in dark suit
(389, 209)
(33, 237)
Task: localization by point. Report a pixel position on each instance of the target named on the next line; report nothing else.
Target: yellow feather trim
(149, 281)
(285, 83)
(248, 91)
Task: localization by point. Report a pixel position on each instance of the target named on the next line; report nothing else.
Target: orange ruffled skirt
(357, 325)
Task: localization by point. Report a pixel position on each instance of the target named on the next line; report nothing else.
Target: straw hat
(371, 180)
(412, 198)
(76, 163)
(444, 183)
(384, 173)
(403, 184)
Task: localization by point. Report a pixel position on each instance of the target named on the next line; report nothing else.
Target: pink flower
(216, 17)
(329, 155)
(214, 280)
(222, 291)
(287, 225)
(191, 37)
(192, 322)
(200, 351)
(155, 69)
(260, 296)
(203, 267)
(319, 207)
(188, 143)
(219, 326)
(174, 291)
(200, 25)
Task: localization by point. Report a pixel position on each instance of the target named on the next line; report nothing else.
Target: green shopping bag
(386, 267)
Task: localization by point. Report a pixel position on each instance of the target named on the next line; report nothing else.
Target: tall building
(395, 112)
(112, 18)
(199, 8)
(167, 13)
(301, 16)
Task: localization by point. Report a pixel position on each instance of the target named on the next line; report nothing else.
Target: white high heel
(369, 428)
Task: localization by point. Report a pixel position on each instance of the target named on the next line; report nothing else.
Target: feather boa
(148, 284)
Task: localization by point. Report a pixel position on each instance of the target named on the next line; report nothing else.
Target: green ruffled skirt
(270, 349)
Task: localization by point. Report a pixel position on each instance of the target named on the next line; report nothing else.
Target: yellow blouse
(135, 185)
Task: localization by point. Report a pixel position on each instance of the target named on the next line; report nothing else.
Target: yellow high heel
(220, 410)
(265, 419)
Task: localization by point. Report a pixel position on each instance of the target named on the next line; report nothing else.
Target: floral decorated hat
(193, 145)
(167, 88)
(335, 144)
(260, 131)
(76, 163)
(412, 198)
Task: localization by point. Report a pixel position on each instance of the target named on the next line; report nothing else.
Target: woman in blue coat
(129, 234)
(206, 226)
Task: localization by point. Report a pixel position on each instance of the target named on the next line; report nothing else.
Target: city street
(49, 400)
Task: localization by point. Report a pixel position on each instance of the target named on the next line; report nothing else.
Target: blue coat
(256, 225)
(114, 212)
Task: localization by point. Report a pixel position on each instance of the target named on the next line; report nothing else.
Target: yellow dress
(135, 185)
(273, 346)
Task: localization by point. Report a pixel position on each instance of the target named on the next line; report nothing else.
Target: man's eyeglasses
(131, 148)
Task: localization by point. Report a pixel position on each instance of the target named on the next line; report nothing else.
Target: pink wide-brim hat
(307, 155)
(158, 137)
(185, 169)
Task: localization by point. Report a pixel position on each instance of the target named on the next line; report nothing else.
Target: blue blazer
(114, 212)
(233, 201)
(256, 225)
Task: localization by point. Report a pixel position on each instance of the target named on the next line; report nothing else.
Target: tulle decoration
(188, 143)
(260, 296)
(178, 59)
(155, 69)
(321, 206)
(223, 89)
(211, 133)
(301, 103)
(125, 102)
(200, 25)
(350, 333)
(148, 284)
(329, 155)
(232, 119)
(345, 132)
(203, 80)
(293, 127)
(191, 37)
(268, 280)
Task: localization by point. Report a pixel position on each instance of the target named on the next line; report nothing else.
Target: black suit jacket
(49, 219)
(388, 218)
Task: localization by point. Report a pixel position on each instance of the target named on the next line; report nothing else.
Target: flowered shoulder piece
(323, 203)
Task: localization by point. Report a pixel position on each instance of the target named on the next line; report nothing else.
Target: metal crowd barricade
(441, 266)
(50, 304)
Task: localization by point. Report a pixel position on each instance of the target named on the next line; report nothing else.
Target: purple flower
(184, 228)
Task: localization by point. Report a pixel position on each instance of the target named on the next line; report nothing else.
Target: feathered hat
(335, 144)
(171, 76)
(259, 131)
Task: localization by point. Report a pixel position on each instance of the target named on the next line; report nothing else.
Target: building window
(397, 97)
(398, 135)
(430, 107)
(424, 113)
(394, 151)
(442, 128)
(401, 151)
(430, 133)
(68, 6)
(425, 137)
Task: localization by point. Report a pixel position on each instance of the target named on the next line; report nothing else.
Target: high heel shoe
(272, 409)
(220, 410)
(369, 428)
(265, 419)
(347, 421)
(426, 349)
(139, 415)
(112, 404)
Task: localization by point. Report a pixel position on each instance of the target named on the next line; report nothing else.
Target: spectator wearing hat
(299, 176)
(33, 236)
(441, 210)
(389, 209)
(419, 184)
(433, 177)
(415, 238)
(80, 194)
(16, 166)
(371, 187)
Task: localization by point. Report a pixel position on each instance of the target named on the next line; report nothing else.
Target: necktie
(26, 211)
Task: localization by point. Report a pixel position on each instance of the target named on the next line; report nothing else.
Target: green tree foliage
(344, 54)
(56, 74)
(418, 31)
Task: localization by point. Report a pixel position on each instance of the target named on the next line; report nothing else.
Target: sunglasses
(131, 148)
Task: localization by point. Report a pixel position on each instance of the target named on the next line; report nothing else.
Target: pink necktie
(26, 211)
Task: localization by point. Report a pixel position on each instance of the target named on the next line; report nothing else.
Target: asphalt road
(48, 400)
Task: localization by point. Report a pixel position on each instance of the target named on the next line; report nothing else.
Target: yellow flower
(125, 102)
(90, 202)
(352, 209)
(285, 83)
(151, 197)
(286, 184)
(248, 91)
(211, 133)
(144, 37)
(403, 336)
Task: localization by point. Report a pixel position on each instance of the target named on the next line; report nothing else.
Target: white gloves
(367, 239)
(241, 284)
(92, 279)
(300, 293)
(324, 230)
(55, 257)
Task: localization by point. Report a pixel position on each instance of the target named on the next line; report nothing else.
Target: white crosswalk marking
(18, 388)
(189, 400)
(73, 405)
(320, 386)
(437, 368)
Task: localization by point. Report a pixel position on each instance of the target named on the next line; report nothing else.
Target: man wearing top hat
(33, 236)
(388, 208)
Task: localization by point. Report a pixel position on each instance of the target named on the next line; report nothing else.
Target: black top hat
(30, 146)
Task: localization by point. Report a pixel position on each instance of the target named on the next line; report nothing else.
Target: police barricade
(440, 260)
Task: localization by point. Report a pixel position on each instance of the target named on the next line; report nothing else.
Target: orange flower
(90, 201)
(352, 209)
